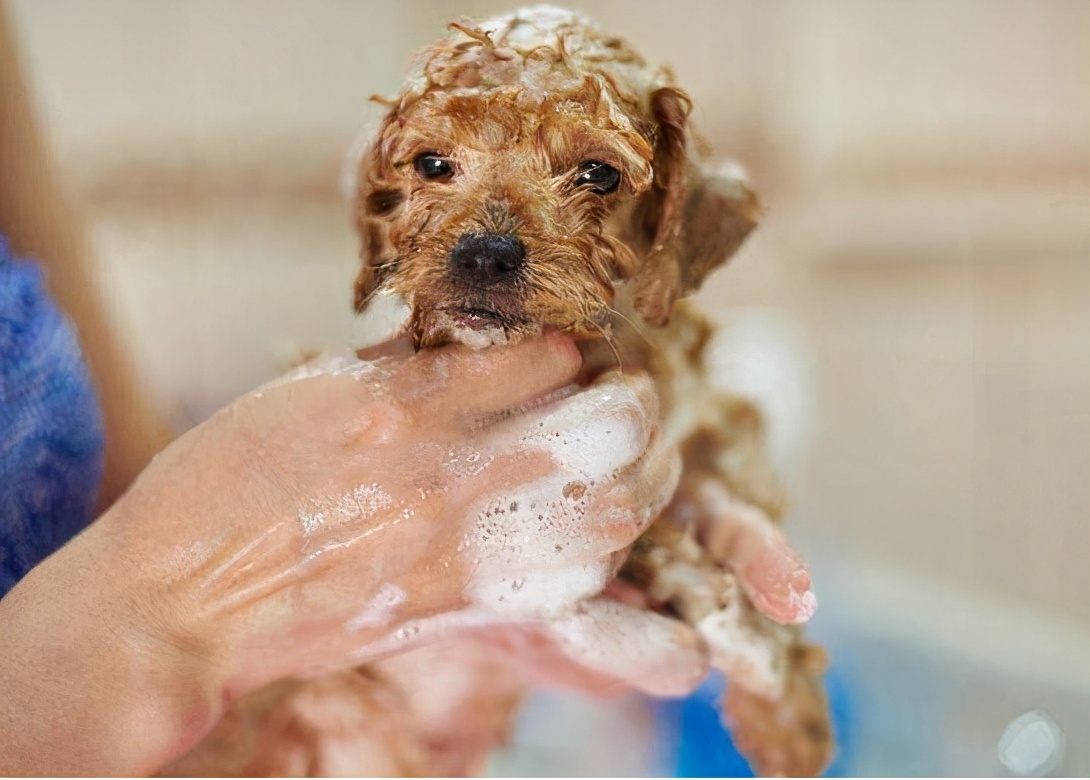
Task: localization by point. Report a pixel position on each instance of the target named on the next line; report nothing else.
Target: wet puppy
(534, 173)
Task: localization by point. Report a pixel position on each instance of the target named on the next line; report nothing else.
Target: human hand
(462, 672)
(358, 507)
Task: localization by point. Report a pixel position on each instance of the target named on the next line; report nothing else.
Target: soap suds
(605, 430)
(542, 594)
(747, 658)
(358, 505)
(655, 654)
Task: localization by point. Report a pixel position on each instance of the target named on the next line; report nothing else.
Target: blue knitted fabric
(51, 435)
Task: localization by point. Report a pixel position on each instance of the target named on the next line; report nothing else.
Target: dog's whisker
(388, 264)
(419, 230)
(634, 327)
(377, 290)
(609, 341)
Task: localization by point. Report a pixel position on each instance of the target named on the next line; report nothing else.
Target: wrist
(92, 683)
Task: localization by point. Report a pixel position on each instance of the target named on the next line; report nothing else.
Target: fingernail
(804, 606)
(779, 584)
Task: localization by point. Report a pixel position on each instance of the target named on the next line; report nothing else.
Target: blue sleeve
(51, 434)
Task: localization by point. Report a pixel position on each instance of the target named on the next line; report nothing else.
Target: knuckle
(638, 389)
(382, 421)
(635, 405)
(662, 492)
(634, 426)
(621, 523)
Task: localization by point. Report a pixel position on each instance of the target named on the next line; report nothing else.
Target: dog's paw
(790, 735)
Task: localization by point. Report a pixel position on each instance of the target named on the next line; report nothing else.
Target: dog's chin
(479, 319)
(475, 327)
(478, 326)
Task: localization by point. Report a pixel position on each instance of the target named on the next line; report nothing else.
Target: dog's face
(520, 176)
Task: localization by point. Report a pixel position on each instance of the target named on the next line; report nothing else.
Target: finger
(748, 657)
(627, 593)
(326, 362)
(563, 520)
(352, 650)
(741, 537)
(778, 584)
(626, 507)
(581, 511)
(398, 347)
(597, 432)
(458, 383)
(654, 479)
(643, 650)
(546, 593)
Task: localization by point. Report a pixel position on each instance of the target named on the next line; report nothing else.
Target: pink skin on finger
(742, 537)
(779, 584)
(626, 593)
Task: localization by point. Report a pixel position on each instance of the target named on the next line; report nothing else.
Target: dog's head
(530, 165)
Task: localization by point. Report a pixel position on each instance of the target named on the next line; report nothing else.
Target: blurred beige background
(916, 310)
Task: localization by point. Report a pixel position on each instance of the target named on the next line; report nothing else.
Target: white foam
(601, 431)
(653, 653)
(747, 658)
(361, 504)
(541, 594)
(478, 338)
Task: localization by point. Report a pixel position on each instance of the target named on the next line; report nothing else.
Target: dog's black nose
(487, 257)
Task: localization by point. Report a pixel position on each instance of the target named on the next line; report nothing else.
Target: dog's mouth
(477, 316)
(475, 323)
(482, 318)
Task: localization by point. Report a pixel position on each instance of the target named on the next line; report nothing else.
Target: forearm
(88, 686)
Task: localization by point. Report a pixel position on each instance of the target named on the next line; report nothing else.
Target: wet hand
(360, 506)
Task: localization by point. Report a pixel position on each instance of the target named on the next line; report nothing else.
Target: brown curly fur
(516, 104)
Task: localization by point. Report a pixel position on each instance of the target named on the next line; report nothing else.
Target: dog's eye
(601, 178)
(431, 166)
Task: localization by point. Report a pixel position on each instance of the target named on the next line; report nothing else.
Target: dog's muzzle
(487, 258)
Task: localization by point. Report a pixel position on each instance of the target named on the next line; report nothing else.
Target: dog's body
(535, 173)
(776, 705)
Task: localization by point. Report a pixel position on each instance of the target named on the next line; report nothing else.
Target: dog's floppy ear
(692, 220)
(720, 212)
(659, 217)
(377, 199)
